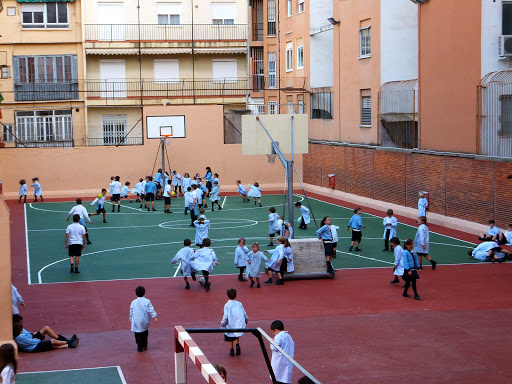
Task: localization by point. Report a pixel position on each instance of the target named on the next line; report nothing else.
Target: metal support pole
(289, 181)
(163, 156)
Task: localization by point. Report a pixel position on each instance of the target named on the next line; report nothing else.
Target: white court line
(95, 228)
(73, 369)
(223, 201)
(177, 269)
(26, 243)
(365, 257)
(125, 206)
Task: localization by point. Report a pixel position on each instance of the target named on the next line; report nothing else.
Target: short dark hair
(277, 324)
(207, 242)
(238, 181)
(169, 181)
(103, 190)
(187, 243)
(221, 370)
(140, 291)
(491, 221)
(357, 209)
(76, 218)
(79, 201)
(390, 212)
(232, 293)
(305, 380)
(117, 178)
(298, 204)
(17, 318)
(189, 189)
(470, 253)
(272, 209)
(16, 329)
(150, 178)
(395, 240)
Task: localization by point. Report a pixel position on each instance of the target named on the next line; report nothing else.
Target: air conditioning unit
(505, 46)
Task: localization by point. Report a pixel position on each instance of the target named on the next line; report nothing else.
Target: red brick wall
(470, 189)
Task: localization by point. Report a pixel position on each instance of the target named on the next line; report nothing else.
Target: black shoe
(258, 286)
(205, 206)
(219, 208)
(186, 211)
(73, 338)
(140, 349)
(88, 242)
(74, 344)
(421, 267)
(105, 221)
(434, 264)
(358, 249)
(280, 282)
(270, 245)
(417, 297)
(232, 352)
(191, 225)
(187, 286)
(208, 285)
(154, 209)
(72, 269)
(193, 275)
(269, 281)
(238, 350)
(244, 280)
(406, 295)
(385, 250)
(396, 281)
(118, 209)
(148, 210)
(113, 210)
(76, 271)
(350, 249)
(260, 204)
(252, 284)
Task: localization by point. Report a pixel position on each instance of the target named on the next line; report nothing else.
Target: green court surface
(140, 244)
(106, 375)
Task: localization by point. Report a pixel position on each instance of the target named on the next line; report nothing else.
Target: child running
(254, 259)
(357, 224)
(141, 312)
(215, 195)
(202, 226)
(100, 205)
(422, 242)
(390, 223)
(243, 192)
(23, 191)
(183, 258)
(234, 317)
(411, 265)
(304, 218)
(255, 192)
(80, 210)
(204, 260)
(38, 190)
(328, 233)
(241, 258)
(398, 269)
(273, 225)
(274, 264)
(124, 192)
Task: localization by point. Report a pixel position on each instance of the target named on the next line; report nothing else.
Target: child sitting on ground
(492, 233)
(234, 317)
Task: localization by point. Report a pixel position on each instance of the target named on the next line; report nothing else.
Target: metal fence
(114, 141)
(46, 144)
(165, 32)
(46, 91)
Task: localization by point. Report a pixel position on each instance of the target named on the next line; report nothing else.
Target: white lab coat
(234, 317)
(183, 257)
(241, 256)
(141, 311)
(304, 214)
(201, 231)
(390, 223)
(399, 262)
(288, 253)
(254, 269)
(422, 239)
(203, 260)
(422, 207)
(283, 368)
(254, 191)
(16, 300)
(277, 255)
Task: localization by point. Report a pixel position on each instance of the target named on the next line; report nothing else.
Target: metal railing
(165, 32)
(46, 144)
(257, 32)
(114, 141)
(46, 91)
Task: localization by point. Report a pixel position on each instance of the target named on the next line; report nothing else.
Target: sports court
(106, 375)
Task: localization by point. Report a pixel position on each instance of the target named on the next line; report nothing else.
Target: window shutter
(16, 69)
(74, 68)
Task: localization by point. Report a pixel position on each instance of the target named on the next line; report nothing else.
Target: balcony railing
(257, 32)
(46, 91)
(46, 144)
(164, 32)
(114, 141)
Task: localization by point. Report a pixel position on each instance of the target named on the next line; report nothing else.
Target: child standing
(398, 269)
(151, 190)
(422, 242)
(255, 192)
(273, 225)
(328, 233)
(254, 259)
(422, 205)
(204, 260)
(390, 223)
(23, 191)
(357, 224)
(183, 258)
(186, 198)
(282, 367)
(38, 190)
(215, 195)
(186, 182)
(74, 242)
(8, 364)
(274, 264)
(241, 258)
(287, 264)
(176, 182)
(16, 300)
(100, 205)
(202, 227)
(234, 317)
(411, 265)
(141, 312)
(304, 218)
(167, 196)
(243, 192)
(116, 194)
(143, 191)
(80, 210)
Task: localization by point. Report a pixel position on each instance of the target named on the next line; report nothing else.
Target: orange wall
(5, 277)
(450, 46)
(64, 172)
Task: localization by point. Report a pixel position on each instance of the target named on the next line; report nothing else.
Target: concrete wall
(321, 44)
(5, 281)
(491, 31)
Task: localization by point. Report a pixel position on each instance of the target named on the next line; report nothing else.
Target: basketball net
(271, 159)
(167, 139)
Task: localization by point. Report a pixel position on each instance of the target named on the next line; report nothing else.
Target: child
(398, 269)
(8, 364)
(151, 191)
(158, 182)
(274, 264)
(215, 195)
(74, 242)
(165, 179)
(411, 265)
(138, 190)
(16, 300)
(100, 205)
(202, 227)
(506, 238)
(493, 233)
(234, 317)
(204, 260)
(222, 371)
(241, 258)
(194, 180)
(282, 367)
(273, 226)
(390, 223)
(141, 311)
(288, 233)
(167, 196)
(176, 182)
(216, 178)
(183, 257)
(202, 213)
(254, 259)
(285, 228)
(111, 185)
(304, 218)
(243, 192)
(422, 241)
(357, 224)
(186, 198)
(35, 342)
(193, 204)
(255, 192)
(143, 192)
(38, 190)
(204, 192)
(186, 181)
(80, 210)
(124, 192)
(422, 205)
(23, 191)
(208, 178)
(328, 233)
(116, 194)
(287, 264)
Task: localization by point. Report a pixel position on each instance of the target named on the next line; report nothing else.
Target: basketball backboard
(255, 141)
(159, 126)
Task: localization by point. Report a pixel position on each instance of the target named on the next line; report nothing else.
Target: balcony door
(114, 128)
(113, 79)
(111, 22)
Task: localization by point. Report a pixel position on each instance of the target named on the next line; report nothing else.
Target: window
(44, 126)
(301, 104)
(7, 136)
(506, 25)
(166, 71)
(272, 107)
(272, 77)
(11, 11)
(224, 70)
(5, 72)
(114, 128)
(271, 17)
(258, 60)
(506, 115)
(365, 42)
(289, 57)
(223, 13)
(300, 57)
(290, 8)
(366, 111)
(168, 13)
(321, 105)
(44, 15)
(301, 6)
(290, 107)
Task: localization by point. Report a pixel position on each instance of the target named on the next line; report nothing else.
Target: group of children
(38, 190)
(491, 249)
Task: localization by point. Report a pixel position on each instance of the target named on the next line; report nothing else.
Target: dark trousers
(241, 276)
(303, 224)
(193, 216)
(386, 240)
(284, 267)
(408, 283)
(141, 338)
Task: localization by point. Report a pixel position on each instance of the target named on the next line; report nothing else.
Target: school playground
(355, 328)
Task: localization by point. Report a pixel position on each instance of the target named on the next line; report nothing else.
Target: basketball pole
(162, 143)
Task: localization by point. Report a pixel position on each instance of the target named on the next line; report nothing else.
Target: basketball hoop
(167, 139)
(271, 158)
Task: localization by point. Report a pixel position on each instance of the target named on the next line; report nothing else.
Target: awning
(135, 51)
(220, 50)
(398, 117)
(45, 1)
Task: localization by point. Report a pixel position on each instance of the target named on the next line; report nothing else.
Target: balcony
(46, 91)
(164, 36)
(114, 141)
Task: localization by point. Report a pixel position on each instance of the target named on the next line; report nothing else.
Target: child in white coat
(304, 218)
(202, 226)
(38, 190)
(215, 195)
(241, 258)
(255, 192)
(243, 192)
(204, 260)
(422, 205)
(273, 225)
(398, 269)
(23, 191)
(282, 367)
(422, 243)
(274, 265)
(390, 223)
(141, 312)
(138, 190)
(183, 258)
(234, 317)
(254, 259)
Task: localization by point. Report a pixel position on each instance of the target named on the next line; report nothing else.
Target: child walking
(38, 190)
(8, 364)
(141, 312)
(234, 317)
(23, 191)
(100, 205)
(274, 264)
(243, 192)
(183, 258)
(254, 259)
(241, 258)
(422, 205)
(273, 225)
(255, 192)
(304, 218)
(411, 265)
(390, 223)
(80, 210)
(422, 242)
(202, 227)
(215, 195)
(116, 194)
(357, 224)
(204, 260)
(328, 233)
(398, 269)
(282, 367)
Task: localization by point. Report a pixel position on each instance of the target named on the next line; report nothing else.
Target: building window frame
(44, 126)
(272, 70)
(366, 111)
(300, 56)
(289, 8)
(271, 17)
(7, 136)
(5, 72)
(289, 56)
(321, 105)
(272, 107)
(44, 15)
(302, 6)
(365, 42)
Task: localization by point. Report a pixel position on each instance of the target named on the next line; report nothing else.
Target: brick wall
(470, 189)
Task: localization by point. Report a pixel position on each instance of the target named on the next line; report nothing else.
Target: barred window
(271, 17)
(43, 126)
(506, 115)
(366, 110)
(321, 105)
(272, 107)
(7, 136)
